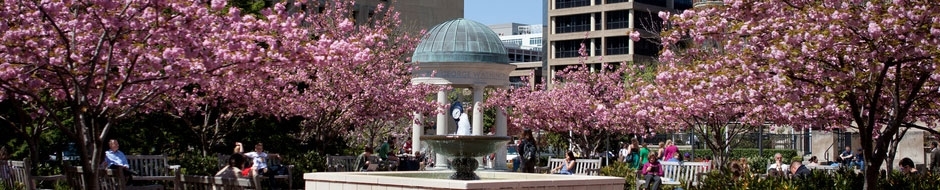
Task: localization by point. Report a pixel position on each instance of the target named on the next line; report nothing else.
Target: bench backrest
(828, 169)
(684, 171)
(191, 182)
(15, 173)
(223, 160)
(582, 166)
(340, 163)
(149, 165)
(107, 179)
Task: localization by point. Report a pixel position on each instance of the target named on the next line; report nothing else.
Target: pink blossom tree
(103, 61)
(580, 102)
(341, 75)
(869, 65)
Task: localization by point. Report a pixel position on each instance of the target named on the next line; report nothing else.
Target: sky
(491, 12)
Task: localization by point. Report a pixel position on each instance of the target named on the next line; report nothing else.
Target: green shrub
(196, 164)
(620, 169)
(819, 179)
(308, 162)
(745, 153)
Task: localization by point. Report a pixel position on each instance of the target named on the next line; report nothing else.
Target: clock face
(455, 113)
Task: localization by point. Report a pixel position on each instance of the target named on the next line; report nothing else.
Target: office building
(603, 26)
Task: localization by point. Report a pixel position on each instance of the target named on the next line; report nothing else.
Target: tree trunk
(893, 149)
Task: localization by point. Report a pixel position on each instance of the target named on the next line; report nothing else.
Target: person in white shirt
(259, 160)
(778, 165)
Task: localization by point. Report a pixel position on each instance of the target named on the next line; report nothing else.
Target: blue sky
(503, 11)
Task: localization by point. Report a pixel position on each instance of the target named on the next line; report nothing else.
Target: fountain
(463, 149)
(462, 54)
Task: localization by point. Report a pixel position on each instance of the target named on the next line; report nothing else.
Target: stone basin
(462, 149)
(439, 180)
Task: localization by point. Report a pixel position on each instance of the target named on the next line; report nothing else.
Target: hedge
(745, 153)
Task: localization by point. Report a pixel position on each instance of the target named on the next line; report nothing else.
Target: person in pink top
(653, 172)
(671, 150)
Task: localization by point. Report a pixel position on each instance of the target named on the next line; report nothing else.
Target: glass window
(618, 19)
(573, 23)
(535, 41)
(561, 4)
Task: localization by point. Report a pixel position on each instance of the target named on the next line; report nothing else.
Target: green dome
(461, 40)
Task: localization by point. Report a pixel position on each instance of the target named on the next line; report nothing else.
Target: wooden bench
(16, 174)
(675, 173)
(828, 169)
(340, 163)
(154, 168)
(191, 182)
(582, 166)
(223, 160)
(107, 180)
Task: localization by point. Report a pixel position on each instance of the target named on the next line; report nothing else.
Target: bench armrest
(593, 171)
(174, 167)
(542, 169)
(49, 178)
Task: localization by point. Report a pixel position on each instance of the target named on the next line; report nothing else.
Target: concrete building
(415, 15)
(524, 47)
(604, 27)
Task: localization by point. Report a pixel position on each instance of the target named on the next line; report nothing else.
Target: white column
(441, 161)
(478, 109)
(478, 114)
(416, 131)
(500, 161)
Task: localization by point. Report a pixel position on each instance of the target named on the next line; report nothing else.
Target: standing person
(385, 148)
(934, 157)
(847, 156)
(633, 155)
(259, 160)
(653, 172)
(529, 151)
(671, 150)
(662, 148)
(644, 154)
(624, 152)
(117, 161)
(362, 161)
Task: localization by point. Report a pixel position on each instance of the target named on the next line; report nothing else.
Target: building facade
(415, 15)
(524, 47)
(603, 26)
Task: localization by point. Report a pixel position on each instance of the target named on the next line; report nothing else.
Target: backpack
(530, 151)
(629, 157)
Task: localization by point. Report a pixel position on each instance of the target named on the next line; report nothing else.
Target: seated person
(116, 159)
(232, 170)
(813, 161)
(907, 166)
(837, 163)
(566, 167)
(393, 161)
(798, 170)
(364, 160)
(778, 164)
(653, 172)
